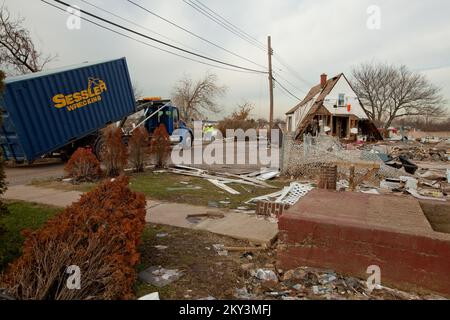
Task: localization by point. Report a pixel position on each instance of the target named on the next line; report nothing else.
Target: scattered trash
(243, 294)
(151, 296)
(289, 195)
(266, 275)
(213, 204)
(210, 298)
(268, 175)
(390, 184)
(298, 287)
(159, 276)
(159, 247)
(410, 183)
(370, 191)
(162, 235)
(220, 249)
(415, 194)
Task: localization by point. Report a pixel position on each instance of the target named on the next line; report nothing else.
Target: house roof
(317, 90)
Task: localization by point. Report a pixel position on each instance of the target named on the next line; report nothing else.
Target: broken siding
(303, 111)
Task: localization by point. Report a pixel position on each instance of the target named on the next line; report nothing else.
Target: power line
(138, 25)
(286, 90)
(190, 32)
(214, 16)
(292, 71)
(262, 45)
(149, 45)
(161, 42)
(289, 82)
(240, 33)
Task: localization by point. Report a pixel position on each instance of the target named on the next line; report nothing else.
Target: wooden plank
(207, 176)
(246, 178)
(359, 164)
(223, 186)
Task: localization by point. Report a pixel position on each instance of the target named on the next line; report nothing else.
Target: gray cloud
(312, 36)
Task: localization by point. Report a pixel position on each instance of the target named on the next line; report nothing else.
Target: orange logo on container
(83, 98)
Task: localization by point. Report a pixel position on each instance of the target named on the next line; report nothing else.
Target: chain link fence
(305, 159)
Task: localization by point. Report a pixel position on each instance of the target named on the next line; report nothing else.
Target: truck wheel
(99, 147)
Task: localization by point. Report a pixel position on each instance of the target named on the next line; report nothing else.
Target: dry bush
(99, 234)
(83, 166)
(115, 154)
(160, 146)
(138, 145)
(240, 119)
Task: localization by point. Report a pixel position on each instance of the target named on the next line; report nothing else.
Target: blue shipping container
(44, 111)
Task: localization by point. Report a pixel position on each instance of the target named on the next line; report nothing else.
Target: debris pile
(306, 283)
(419, 153)
(221, 179)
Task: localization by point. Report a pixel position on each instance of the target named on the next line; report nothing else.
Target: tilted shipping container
(45, 111)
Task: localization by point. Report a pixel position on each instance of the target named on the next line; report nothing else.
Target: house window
(341, 100)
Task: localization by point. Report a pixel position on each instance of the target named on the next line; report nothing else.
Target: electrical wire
(160, 41)
(214, 16)
(286, 90)
(149, 45)
(189, 32)
(139, 25)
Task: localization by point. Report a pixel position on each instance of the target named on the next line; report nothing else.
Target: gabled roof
(317, 90)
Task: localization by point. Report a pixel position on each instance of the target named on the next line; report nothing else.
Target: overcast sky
(312, 36)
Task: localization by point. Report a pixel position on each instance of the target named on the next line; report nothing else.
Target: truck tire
(99, 146)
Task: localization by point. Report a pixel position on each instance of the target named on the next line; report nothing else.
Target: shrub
(138, 145)
(114, 156)
(3, 208)
(160, 146)
(83, 166)
(99, 234)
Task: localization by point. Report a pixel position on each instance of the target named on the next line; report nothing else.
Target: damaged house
(332, 108)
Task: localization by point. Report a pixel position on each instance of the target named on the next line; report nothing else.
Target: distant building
(332, 107)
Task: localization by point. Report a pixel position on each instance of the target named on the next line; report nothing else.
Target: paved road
(46, 169)
(22, 175)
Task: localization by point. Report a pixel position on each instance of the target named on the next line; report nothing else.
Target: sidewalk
(235, 225)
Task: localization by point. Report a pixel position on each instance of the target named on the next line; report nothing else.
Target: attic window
(341, 100)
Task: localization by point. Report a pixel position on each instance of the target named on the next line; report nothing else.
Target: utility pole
(270, 53)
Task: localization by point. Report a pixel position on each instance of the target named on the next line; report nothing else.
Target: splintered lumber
(223, 186)
(208, 176)
(248, 179)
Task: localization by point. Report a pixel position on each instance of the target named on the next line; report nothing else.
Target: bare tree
(17, 50)
(243, 111)
(390, 92)
(194, 98)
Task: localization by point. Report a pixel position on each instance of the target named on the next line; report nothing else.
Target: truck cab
(157, 112)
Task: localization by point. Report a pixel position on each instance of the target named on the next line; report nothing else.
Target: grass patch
(22, 215)
(178, 188)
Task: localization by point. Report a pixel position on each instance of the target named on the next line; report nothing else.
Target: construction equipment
(52, 113)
